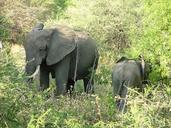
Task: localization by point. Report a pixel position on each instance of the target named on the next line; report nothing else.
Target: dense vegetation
(121, 28)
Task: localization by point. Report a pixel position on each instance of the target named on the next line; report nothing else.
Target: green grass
(23, 106)
(120, 27)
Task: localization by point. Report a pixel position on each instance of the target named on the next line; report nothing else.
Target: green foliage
(4, 32)
(54, 8)
(142, 27)
(24, 14)
(101, 19)
(22, 106)
(154, 41)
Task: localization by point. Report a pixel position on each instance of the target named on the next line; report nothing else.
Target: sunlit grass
(111, 24)
(23, 106)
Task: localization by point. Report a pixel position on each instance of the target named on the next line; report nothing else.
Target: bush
(120, 28)
(154, 41)
(4, 32)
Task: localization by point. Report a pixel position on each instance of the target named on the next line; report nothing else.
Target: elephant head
(47, 46)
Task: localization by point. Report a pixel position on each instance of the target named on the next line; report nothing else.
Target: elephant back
(82, 35)
(65, 31)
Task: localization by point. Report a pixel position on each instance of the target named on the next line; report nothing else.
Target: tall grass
(23, 106)
(115, 25)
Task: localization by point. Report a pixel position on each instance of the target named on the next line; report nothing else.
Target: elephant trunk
(35, 73)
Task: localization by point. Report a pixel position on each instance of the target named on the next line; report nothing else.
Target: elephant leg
(70, 86)
(122, 101)
(141, 87)
(116, 86)
(61, 75)
(88, 85)
(44, 78)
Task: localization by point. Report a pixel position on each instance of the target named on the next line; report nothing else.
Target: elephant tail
(94, 67)
(76, 63)
(95, 63)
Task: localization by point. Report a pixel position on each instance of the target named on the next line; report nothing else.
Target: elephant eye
(42, 48)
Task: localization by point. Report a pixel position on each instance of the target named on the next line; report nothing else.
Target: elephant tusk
(33, 59)
(35, 73)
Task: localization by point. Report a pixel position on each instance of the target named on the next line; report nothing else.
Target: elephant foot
(90, 88)
(122, 105)
(39, 88)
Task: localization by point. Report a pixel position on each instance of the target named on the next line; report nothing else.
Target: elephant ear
(121, 59)
(61, 44)
(39, 26)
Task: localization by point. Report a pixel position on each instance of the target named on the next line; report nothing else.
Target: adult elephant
(66, 54)
(128, 73)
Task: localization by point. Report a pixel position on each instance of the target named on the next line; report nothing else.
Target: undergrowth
(120, 28)
(24, 106)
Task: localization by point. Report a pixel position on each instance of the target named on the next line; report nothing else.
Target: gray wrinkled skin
(127, 73)
(55, 50)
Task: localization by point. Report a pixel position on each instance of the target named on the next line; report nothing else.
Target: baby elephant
(128, 73)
